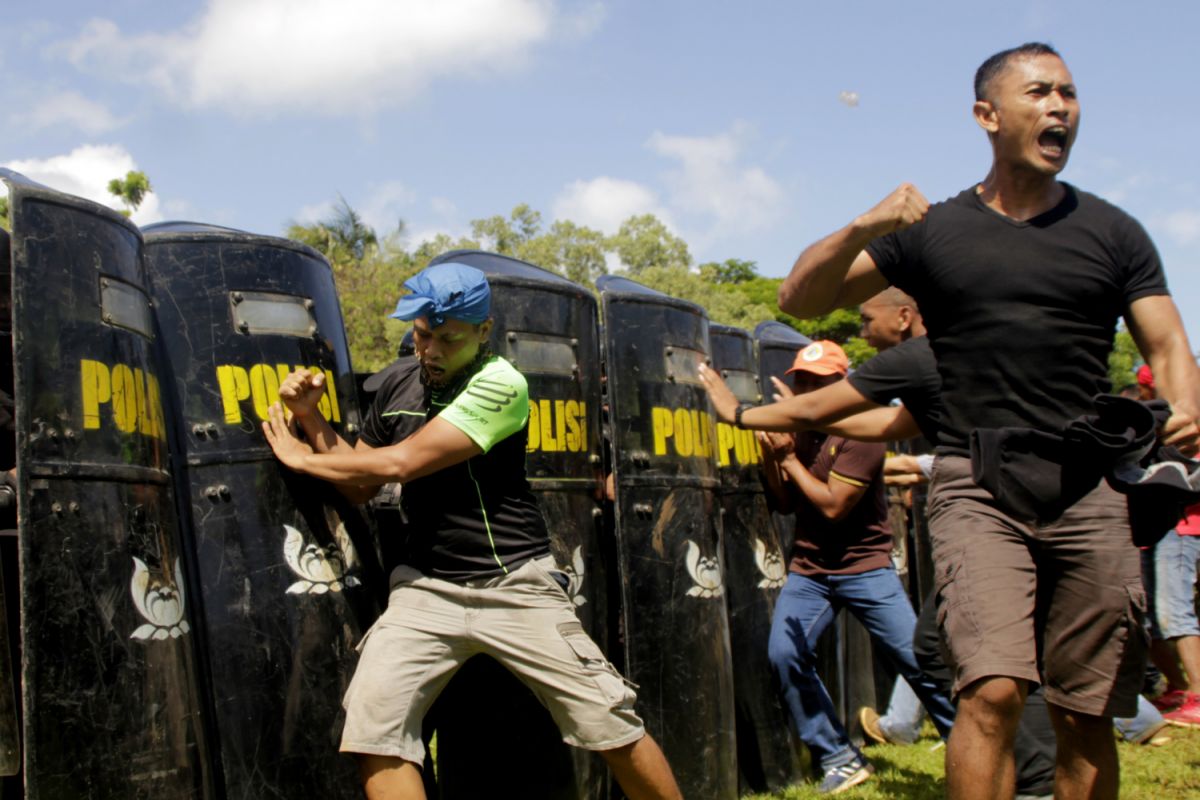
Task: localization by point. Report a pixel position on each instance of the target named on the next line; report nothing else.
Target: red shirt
(1190, 524)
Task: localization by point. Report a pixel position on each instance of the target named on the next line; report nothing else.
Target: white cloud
(712, 182)
(385, 206)
(443, 207)
(313, 213)
(322, 56)
(604, 203)
(85, 172)
(68, 109)
(1182, 226)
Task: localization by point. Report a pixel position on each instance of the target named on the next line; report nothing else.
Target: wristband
(737, 415)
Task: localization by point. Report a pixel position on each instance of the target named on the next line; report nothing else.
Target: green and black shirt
(479, 518)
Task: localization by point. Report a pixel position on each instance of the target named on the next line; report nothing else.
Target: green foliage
(725, 305)
(368, 274)
(644, 242)
(1123, 360)
(130, 190)
(4, 220)
(731, 270)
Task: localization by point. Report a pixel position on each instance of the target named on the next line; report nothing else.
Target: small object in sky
(849, 98)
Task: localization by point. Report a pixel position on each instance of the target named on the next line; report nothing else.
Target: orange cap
(821, 358)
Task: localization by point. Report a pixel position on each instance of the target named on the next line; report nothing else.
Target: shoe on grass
(868, 718)
(1187, 715)
(1169, 701)
(839, 779)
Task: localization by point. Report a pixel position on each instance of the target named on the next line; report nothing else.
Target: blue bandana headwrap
(446, 291)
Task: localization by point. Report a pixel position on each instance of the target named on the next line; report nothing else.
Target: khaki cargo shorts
(524, 620)
(1057, 603)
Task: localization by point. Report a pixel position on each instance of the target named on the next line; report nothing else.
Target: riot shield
(110, 691)
(546, 326)
(676, 634)
(288, 573)
(777, 348)
(755, 570)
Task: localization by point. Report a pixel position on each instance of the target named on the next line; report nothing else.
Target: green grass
(1170, 772)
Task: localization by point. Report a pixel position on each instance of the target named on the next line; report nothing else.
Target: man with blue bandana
(450, 427)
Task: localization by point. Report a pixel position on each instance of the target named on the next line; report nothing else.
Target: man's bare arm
(835, 272)
(437, 445)
(879, 424)
(795, 413)
(1158, 330)
(834, 500)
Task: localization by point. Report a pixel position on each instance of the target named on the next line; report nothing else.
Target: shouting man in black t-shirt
(1021, 279)
(450, 426)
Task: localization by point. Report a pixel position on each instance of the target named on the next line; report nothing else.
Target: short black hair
(989, 69)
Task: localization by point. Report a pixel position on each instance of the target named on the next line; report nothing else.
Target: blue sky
(728, 120)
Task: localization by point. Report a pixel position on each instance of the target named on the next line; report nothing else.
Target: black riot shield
(546, 326)
(755, 571)
(110, 688)
(285, 563)
(777, 348)
(676, 634)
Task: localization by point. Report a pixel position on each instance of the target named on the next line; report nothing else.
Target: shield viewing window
(266, 312)
(125, 306)
(542, 353)
(682, 365)
(744, 385)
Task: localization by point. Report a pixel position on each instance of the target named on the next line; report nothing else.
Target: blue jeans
(1147, 717)
(902, 721)
(1169, 572)
(805, 608)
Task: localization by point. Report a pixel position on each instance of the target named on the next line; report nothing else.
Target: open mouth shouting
(1053, 142)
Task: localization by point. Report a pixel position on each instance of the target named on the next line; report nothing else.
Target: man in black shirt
(1021, 279)
(450, 426)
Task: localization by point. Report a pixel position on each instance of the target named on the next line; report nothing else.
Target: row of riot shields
(188, 609)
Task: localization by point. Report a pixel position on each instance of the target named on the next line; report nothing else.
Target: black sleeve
(1142, 268)
(886, 376)
(377, 429)
(897, 255)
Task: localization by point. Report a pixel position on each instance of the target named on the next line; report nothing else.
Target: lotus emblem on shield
(705, 572)
(160, 603)
(770, 565)
(321, 569)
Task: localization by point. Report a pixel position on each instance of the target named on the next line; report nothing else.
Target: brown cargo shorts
(524, 620)
(1058, 603)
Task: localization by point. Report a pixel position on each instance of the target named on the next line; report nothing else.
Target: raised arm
(836, 272)
(1158, 330)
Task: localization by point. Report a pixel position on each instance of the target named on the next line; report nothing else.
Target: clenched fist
(903, 207)
(301, 391)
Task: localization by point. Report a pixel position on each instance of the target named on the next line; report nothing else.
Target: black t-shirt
(1020, 315)
(907, 372)
(472, 520)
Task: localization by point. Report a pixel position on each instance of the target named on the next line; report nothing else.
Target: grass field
(1170, 772)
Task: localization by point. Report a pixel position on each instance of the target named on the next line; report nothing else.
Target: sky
(751, 128)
